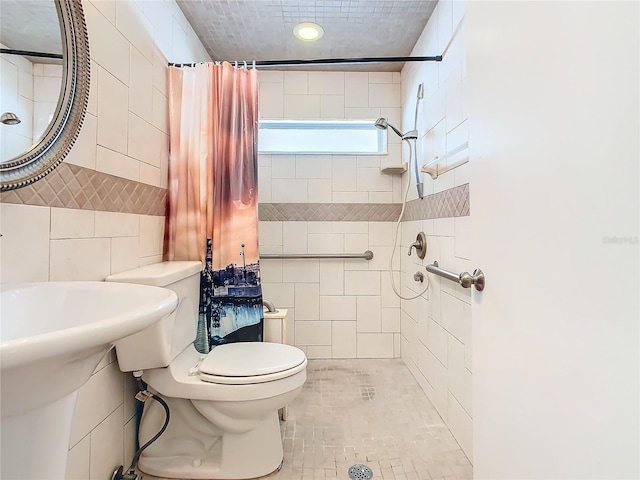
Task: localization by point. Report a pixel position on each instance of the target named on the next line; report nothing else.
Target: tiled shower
(98, 214)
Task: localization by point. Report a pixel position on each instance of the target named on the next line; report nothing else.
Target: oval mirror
(44, 47)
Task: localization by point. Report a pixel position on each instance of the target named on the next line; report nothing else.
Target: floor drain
(360, 472)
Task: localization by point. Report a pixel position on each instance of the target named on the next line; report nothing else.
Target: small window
(338, 137)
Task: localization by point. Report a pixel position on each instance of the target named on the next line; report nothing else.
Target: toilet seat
(244, 363)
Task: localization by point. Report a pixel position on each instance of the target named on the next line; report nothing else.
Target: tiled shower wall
(339, 308)
(110, 227)
(436, 327)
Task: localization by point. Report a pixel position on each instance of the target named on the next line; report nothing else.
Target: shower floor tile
(370, 412)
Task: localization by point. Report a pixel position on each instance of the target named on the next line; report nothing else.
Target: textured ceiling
(238, 30)
(30, 25)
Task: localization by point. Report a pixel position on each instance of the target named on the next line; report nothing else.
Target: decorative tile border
(71, 186)
(453, 202)
(449, 203)
(329, 212)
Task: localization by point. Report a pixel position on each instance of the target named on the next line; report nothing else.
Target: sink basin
(52, 337)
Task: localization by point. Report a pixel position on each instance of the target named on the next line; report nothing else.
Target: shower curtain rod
(27, 53)
(324, 61)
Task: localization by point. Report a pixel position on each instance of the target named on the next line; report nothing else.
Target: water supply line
(143, 395)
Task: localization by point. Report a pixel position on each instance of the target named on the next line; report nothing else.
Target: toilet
(223, 405)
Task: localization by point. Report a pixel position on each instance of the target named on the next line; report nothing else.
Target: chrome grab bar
(367, 255)
(465, 278)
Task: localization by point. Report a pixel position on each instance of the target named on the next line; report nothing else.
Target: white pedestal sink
(52, 337)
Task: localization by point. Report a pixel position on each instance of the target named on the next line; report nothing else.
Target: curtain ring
(245, 64)
(235, 64)
(254, 64)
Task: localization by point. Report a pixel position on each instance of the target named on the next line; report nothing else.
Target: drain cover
(360, 472)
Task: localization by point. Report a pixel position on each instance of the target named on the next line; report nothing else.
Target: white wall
(339, 308)
(436, 327)
(125, 135)
(554, 112)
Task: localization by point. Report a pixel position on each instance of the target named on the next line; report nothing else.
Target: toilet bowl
(224, 405)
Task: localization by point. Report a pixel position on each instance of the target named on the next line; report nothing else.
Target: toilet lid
(251, 362)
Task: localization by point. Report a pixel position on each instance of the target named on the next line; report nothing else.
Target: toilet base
(215, 455)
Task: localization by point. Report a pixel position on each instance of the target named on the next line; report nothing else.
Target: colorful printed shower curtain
(212, 204)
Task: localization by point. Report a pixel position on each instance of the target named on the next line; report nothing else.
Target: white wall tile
(78, 460)
(319, 190)
(151, 235)
(325, 243)
(461, 425)
(313, 333)
(80, 259)
(141, 85)
(344, 174)
(264, 184)
(288, 191)
(361, 282)
(455, 369)
(332, 107)
(375, 345)
(143, 141)
(294, 237)
(117, 164)
(356, 89)
(307, 303)
(24, 228)
(72, 223)
(343, 339)
(270, 233)
(337, 307)
(326, 83)
(296, 83)
(282, 294)
(301, 271)
(332, 277)
(283, 166)
(301, 107)
(84, 150)
(106, 443)
(108, 54)
(391, 320)
(313, 166)
(135, 26)
(271, 100)
(113, 101)
(124, 254)
(384, 95)
(276, 76)
(318, 351)
(369, 314)
(115, 224)
(438, 342)
(100, 396)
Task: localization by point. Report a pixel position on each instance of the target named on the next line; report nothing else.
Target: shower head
(9, 118)
(382, 124)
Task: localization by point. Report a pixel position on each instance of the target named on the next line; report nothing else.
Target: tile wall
(338, 308)
(16, 96)
(124, 136)
(436, 327)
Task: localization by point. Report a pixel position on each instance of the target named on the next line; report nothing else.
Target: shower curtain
(212, 204)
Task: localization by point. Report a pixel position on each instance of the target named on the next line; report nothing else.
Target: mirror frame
(47, 153)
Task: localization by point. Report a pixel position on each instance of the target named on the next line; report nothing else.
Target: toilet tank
(157, 345)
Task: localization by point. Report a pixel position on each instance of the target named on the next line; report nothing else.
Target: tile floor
(371, 412)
